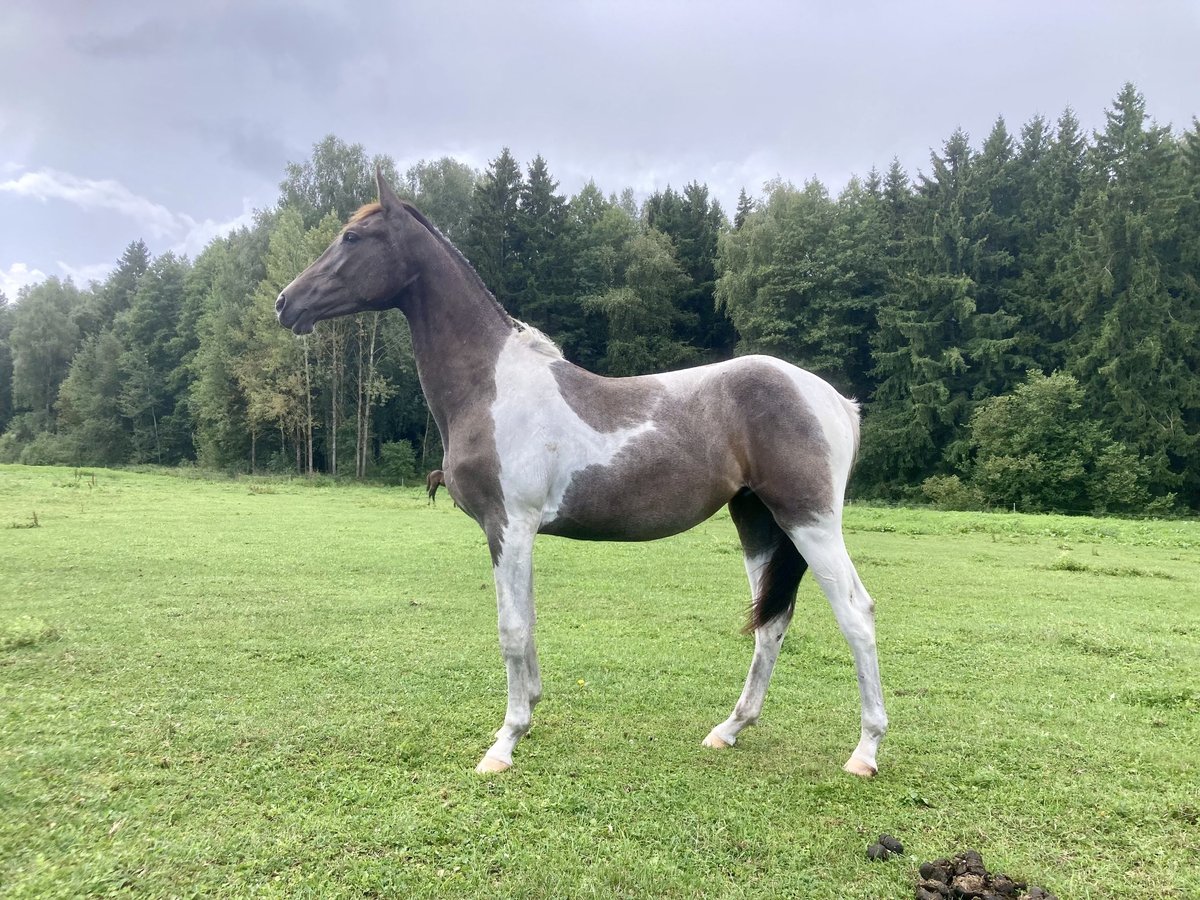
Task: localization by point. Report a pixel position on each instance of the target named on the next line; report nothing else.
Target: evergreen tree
(116, 294)
(1048, 171)
(1135, 347)
(745, 206)
(922, 391)
(492, 238)
(542, 249)
(694, 224)
(991, 346)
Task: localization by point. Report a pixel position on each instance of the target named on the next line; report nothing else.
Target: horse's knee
(515, 640)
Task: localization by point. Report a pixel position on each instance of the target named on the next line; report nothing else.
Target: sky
(173, 121)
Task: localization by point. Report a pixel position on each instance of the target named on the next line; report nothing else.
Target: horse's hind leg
(822, 545)
(774, 568)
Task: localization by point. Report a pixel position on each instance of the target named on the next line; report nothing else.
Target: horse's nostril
(279, 302)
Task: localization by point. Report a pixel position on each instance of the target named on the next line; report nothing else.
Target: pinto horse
(536, 445)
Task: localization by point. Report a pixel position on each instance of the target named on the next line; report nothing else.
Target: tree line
(1020, 322)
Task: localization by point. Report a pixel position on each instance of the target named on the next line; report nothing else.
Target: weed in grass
(1183, 699)
(1067, 563)
(32, 522)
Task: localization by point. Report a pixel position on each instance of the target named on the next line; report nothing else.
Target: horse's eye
(349, 237)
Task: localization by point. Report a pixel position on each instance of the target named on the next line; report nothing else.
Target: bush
(949, 492)
(48, 449)
(20, 433)
(397, 462)
(1037, 450)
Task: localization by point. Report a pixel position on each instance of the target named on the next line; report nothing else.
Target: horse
(433, 481)
(536, 445)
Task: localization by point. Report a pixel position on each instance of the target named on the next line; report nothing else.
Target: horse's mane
(530, 335)
(538, 341)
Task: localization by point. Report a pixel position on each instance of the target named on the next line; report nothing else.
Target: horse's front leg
(513, 571)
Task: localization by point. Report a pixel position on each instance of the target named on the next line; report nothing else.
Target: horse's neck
(458, 331)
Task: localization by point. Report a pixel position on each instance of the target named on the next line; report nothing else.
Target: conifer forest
(1020, 318)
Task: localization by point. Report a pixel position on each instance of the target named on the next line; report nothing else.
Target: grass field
(280, 689)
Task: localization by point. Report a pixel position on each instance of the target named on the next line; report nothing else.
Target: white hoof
(489, 765)
(716, 742)
(856, 766)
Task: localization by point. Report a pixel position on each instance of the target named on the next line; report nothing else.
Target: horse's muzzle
(293, 317)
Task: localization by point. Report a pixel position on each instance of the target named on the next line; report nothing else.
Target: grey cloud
(152, 37)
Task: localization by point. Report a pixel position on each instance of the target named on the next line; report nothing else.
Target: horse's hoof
(716, 742)
(856, 766)
(489, 765)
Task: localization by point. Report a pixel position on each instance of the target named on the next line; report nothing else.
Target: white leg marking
(515, 611)
(767, 641)
(825, 551)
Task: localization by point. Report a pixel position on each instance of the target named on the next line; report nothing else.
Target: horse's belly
(612, 503)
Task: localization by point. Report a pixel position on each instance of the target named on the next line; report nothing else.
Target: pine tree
(922, 397)
(1048, 170)
(492, 238)
(1135, 345)
(745, 206)
(109, 299)
(542, 249)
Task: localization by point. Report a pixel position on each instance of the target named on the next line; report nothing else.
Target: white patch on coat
(540, 440)
(537, 340)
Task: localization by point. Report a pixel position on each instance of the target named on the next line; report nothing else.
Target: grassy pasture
(279, 689)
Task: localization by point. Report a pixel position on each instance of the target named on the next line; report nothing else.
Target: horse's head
(369, 266)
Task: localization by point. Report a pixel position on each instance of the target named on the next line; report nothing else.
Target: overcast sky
(171, 121)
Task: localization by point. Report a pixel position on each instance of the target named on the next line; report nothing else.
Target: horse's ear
(387, 197)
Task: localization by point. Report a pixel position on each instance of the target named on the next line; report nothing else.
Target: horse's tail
(777, 585)
(854, 411)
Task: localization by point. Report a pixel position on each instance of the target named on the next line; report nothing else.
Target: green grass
(270, 688)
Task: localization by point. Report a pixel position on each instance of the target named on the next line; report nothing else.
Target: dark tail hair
(779, 581)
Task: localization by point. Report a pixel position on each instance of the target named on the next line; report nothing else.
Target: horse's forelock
(367, 209)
